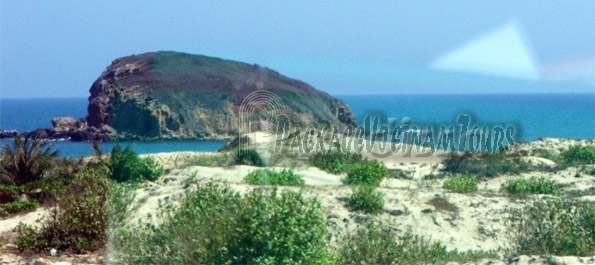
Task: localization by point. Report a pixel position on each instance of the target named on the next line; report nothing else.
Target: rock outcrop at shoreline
(171, 95)
(68, 128)
(8, 133)
(179, 96)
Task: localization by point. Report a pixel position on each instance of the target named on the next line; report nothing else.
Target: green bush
(433, 176)
(57, 179)
(63, 170)
(457, 162)
(8, 193)
(461, 183)
(531, 186)
(26, 160)
(589, 171)
(506, 167)
(380, 244)
(334, 162)
(272, 177)
(558, 227)
(77, 224)
(579, 155)
(397, 174)
(483, 165)
(126, 165)
(14, 207)
(151, 170)
(369, 172)
(11, 188)
(548, 154)
(249, 157)
(120, 197)
(365, 198)
(215, 225)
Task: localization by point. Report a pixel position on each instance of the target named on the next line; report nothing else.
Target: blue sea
(533, 116)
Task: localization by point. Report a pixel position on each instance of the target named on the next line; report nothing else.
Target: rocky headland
(180, 96)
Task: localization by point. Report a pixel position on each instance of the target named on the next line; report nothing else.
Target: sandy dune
(476, 221)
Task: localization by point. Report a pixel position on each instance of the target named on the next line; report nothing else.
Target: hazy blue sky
(58, 48)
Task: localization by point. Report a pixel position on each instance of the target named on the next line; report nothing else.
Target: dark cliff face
(166, 95)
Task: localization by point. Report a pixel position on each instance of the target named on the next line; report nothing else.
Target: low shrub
(60, 176)
(331, 162)
(516, 166)
(249, 157)
(366, 172)
(483, 165)
(364, 198)
(272, 177)
(380, 244)
(14, 207)
(11, 188)
(433, 176)
(224, 159)
(216, 225)
(77, 224)
(120, 197)
(548, 154)
(442, 204)
(558, 227)
(456, 162)
(461, 183)
(126, 165)
(397, 174)
(531, 186)
(8, 193)
(589, 171)
(334, 162)
(578, 155)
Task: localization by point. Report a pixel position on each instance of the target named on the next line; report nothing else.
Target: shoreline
(72, 149)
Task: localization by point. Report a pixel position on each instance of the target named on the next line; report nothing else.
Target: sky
(59, 48)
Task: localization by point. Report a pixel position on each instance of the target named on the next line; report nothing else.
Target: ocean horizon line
(368, 94)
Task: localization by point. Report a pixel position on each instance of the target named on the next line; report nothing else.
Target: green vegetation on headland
(215, 224)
